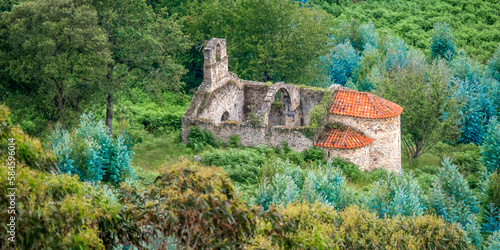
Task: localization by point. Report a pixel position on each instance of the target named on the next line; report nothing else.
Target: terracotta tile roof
(344, 137)
(362, 104)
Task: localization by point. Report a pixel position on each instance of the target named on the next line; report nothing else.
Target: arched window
(217, 52)
(224, 117)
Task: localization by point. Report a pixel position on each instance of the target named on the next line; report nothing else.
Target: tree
(56, 47)
(491, 147)
(276, 40)
(494, 65)
(341, 64)
(430, 112)
(442, 45)
(144, 48)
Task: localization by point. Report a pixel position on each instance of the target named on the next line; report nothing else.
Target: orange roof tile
(362, 104)
(342, 138)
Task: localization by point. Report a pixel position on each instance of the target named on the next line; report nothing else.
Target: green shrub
(192, 207)
(351, 171)
(27, 150)
(396, 195)
(200, 138)
(242, 166)
(491, 147)
(313, 155)
(289, 183)
(451, 198)
(233, 157)
(56, 211)
(91, 153)
(318, 226)
(493, 189)
(234, 141)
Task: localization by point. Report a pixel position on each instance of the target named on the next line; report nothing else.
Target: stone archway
(279, 106)
(289, 97)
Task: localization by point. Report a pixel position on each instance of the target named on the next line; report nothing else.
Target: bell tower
(215, 65)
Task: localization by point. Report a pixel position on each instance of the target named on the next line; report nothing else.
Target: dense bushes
(318, 226)
(396, 195)
(290, 183)
(27, 150)
(45, 200)
(242, 166)
(476, 27)
(189, 206)
(91, 153)
(491, 147)
(199, 138)
(55, 211)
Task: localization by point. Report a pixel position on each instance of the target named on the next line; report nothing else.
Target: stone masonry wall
(255, 93)
(359, 156)
(385, 150)
(226, 98)
(308, 99)
(253, 135)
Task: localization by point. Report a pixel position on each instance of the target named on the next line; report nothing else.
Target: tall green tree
(57, 48)
(276, 40)
(144, 48)
(430, 111)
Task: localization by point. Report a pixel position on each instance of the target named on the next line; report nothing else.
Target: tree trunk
(109, 113)
(60, 104)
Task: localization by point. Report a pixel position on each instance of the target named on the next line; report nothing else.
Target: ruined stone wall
(228, 98)
(276, 116)
(308, 99)
(295, 139)
(359, 156)
(385, 150)
(253, 135)
(255, 93)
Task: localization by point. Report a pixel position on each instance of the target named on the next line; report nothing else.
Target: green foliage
(491, 147)
(313, 154)
(242, 166)
(494, 65)
(430, 113)
(195, 207)
(234, 141)
(27, 150)
(341, 64)
(451, 197)
(144, 50)
(91, 153)
(200, 138)
(319, 113)
(57, 65)
(442, 45)
(318, 226)
(396, 195)
(475, 23)
(493, 190)
(276, 105)
(493, 241)
(253, 118)
(289, 183)
(44, 201)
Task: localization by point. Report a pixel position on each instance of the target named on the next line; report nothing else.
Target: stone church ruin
(359, 127)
